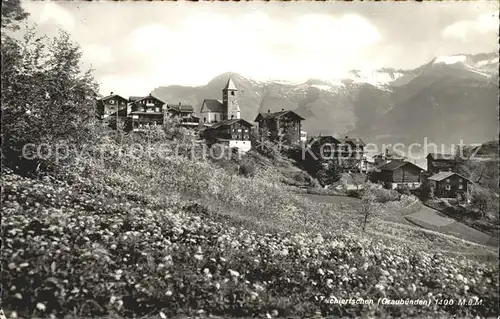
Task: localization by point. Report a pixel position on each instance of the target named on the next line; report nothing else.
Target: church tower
(230, 101)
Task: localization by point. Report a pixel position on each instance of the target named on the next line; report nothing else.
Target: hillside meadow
(176, 235)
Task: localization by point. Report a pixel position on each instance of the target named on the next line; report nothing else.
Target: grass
(222, 243)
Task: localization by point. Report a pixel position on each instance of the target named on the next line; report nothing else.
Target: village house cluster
(220, 122)
(393, 170)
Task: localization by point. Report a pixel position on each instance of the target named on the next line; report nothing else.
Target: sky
(137, 46)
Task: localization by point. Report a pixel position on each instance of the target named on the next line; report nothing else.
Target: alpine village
(219, 122)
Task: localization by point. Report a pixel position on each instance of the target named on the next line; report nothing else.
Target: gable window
(111, 101)
(448, 187)
(447, 180)
(460, 180)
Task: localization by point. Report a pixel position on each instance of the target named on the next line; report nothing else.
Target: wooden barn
(449, 184)
(398, 173)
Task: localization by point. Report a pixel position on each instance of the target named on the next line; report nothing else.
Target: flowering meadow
(177, 237)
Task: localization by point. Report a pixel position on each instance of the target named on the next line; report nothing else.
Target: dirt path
(431, 219)
(426, 218)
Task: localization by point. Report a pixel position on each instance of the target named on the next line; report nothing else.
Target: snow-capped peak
(449, 59)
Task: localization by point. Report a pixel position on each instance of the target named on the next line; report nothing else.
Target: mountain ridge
(376, 103)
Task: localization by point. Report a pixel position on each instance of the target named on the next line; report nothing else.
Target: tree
(328, 174)
(45, 97)
(367, 206)
(481, 200)
(12, 14)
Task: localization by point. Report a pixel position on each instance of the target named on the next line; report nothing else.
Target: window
(239, 130)
(448, 187)
(111, 101)
(460, 186)
(232, 92)
(460, 180)
(447, 180)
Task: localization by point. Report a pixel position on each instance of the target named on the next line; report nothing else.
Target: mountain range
(449, 99)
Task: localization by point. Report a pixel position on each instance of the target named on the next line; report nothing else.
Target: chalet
(386, 157)
(398, 173)
(440, 162)
(147, 110)
(213, 111)
(351, 154)
(283, 125)
(449, 184)
(324, 147)
(110, 105)
(233, 133)
(185, 113)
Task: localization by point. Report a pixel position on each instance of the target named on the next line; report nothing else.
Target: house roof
(144, 97)
(112, 96)
(392, 165)
(441, 156)
(352, 141)
(134, 98)
(213, 105)
(444, 175)
(324, 139)
(268, 115)
(180, 107)
(230, 85)
(390, 154)
(229, 122)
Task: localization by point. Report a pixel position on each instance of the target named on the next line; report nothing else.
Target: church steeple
(230, 101)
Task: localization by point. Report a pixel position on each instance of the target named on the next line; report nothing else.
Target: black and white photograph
(249, 159)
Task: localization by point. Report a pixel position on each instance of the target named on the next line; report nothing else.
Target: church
(213, 111)
(223, 121)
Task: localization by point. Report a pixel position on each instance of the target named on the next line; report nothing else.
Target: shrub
(383, 195)
(46, 98)
(247, 168)
(482, 200)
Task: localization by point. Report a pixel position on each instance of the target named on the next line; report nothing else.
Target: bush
(247, 168)
(46, 99)
(383, 195)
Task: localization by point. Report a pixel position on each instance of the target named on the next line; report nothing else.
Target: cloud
(468, 30)
(206, 44)
(54, 13)
(97, 55)
(137, 46)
